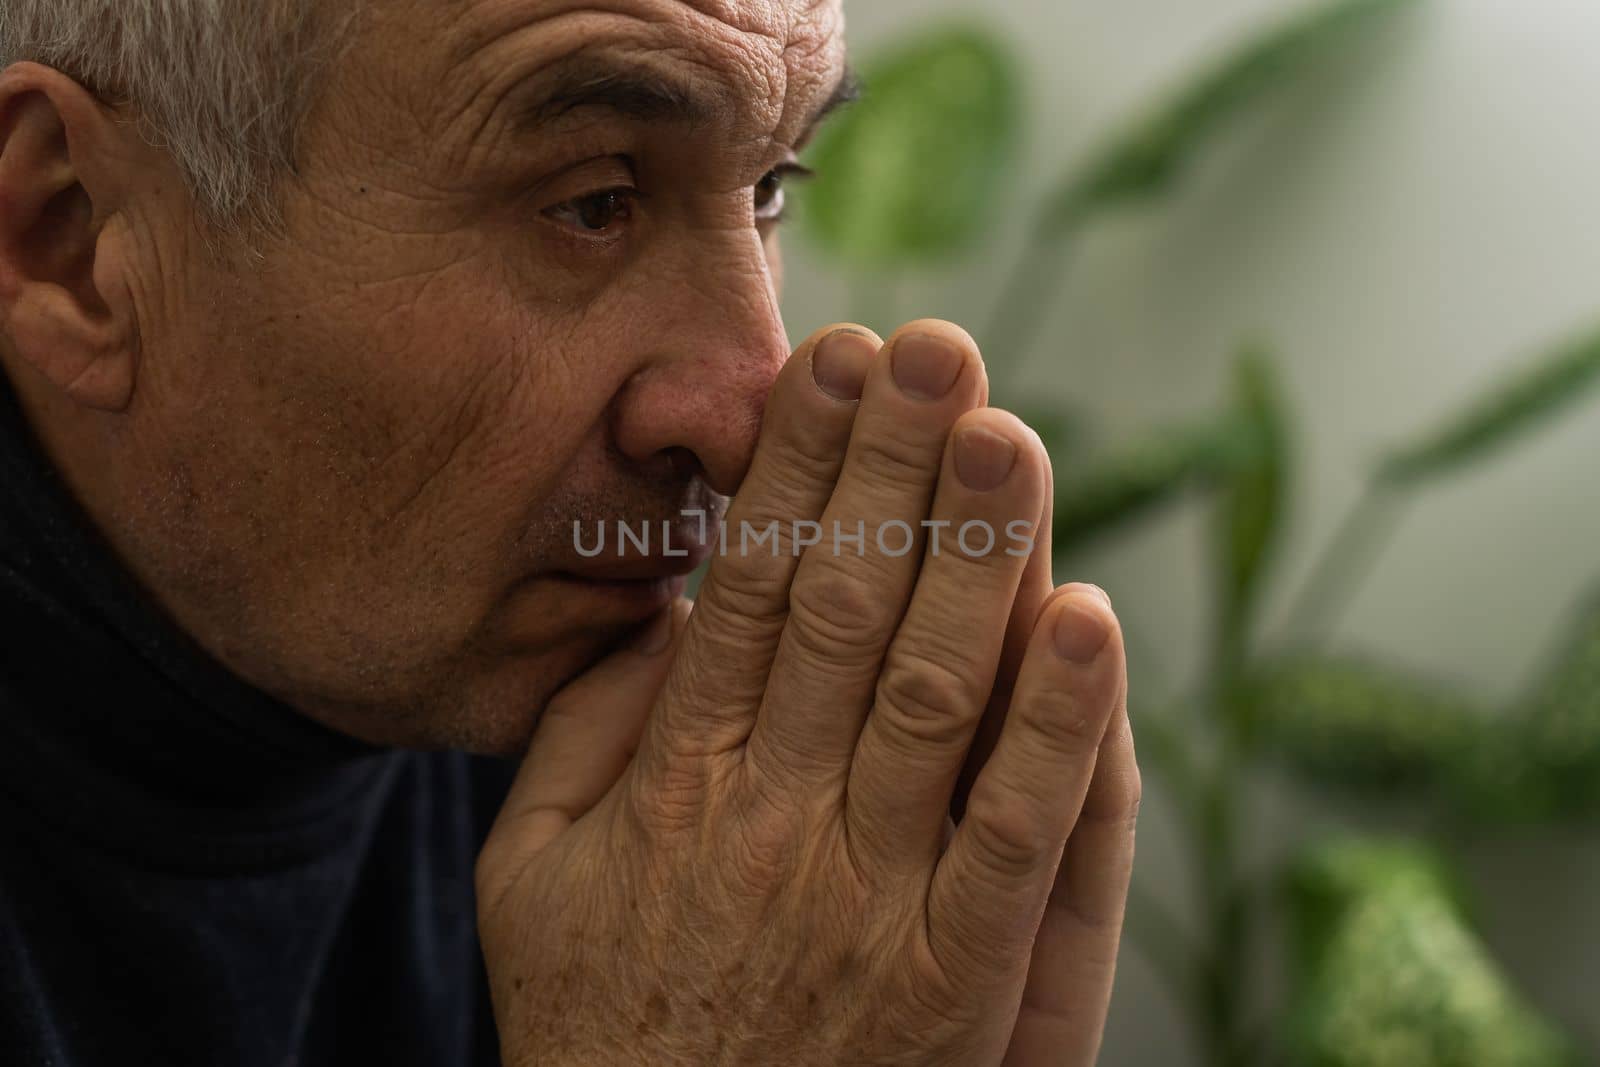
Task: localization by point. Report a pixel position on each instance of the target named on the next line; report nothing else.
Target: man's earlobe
(65, 307)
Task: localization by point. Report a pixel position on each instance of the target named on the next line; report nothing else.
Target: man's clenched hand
(732, 842)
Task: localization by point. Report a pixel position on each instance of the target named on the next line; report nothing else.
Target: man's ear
(65, 302)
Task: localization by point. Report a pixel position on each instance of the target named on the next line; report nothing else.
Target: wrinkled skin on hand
(738, 849)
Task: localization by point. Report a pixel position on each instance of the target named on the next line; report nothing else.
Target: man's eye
(770, 199)
(596, 214)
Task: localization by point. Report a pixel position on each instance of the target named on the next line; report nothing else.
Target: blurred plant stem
(1161, 938)
(1345, 563)
(1228, 925)
(1028, 293)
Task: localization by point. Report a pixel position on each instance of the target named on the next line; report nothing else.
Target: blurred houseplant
(1388, 969)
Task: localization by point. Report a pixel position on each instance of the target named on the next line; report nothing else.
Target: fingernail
(839, 364)
(925, 367)
(1080, 632)
(656, 636)
(983, 458)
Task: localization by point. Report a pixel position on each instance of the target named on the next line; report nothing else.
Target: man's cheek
(436, 383)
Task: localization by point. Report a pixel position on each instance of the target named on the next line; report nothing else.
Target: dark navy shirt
(191, 872)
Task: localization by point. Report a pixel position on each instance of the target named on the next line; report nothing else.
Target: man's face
(529, 279)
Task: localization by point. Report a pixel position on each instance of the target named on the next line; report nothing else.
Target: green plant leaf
(1512, 408)
(1251, 504)
(1118, 488)
(1329, 877)
(1390, 974)
(1544, 762)
(1146, 161)
(1362, 725)
(915, 170)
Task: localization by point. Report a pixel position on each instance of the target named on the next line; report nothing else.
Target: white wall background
(1410, 219)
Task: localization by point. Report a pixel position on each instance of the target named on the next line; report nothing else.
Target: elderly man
(332, 333)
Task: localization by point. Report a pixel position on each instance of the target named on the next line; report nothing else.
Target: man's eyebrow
(590, 82)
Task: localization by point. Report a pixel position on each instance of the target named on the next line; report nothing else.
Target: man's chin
(501, 715)
(488, 696)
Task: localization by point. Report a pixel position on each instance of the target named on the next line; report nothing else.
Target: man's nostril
(684, 464)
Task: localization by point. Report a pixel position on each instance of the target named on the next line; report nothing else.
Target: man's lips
(649, 588)
(640, 569)
(634, 579)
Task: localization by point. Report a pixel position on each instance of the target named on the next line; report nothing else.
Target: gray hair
(222, 84)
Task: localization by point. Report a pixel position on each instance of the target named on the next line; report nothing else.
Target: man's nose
(713, 360)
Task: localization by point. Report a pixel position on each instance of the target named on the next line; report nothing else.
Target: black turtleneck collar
(109, 713)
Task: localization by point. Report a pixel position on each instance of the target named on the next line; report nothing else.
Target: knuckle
(750, 586)
(945, 631)
(762, 852)
(1118, 790)
(1009, 842)
(1062, 725)
(834, 616)
(978, 557)
(890, 456)
(759, 862)
(805, 456)
(924, 701)
(1130, 793)
(828, 588)
(1123, 800)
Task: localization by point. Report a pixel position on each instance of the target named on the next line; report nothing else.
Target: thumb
(588, 735)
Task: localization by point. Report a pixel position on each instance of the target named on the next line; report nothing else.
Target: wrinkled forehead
(761, 65)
